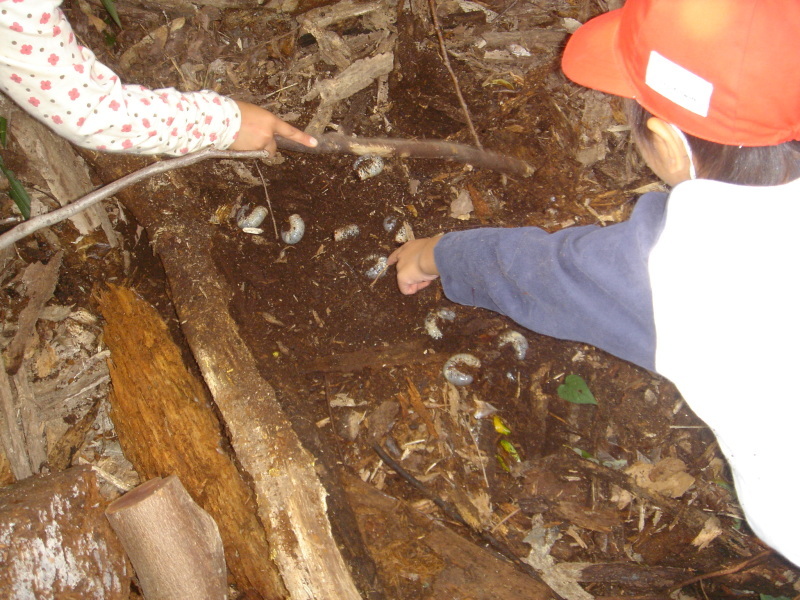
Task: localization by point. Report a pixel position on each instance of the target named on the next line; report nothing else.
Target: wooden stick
(435, 149)
(446, 60)
(173, 544)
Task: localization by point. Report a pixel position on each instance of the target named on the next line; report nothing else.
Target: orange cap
(727, 71)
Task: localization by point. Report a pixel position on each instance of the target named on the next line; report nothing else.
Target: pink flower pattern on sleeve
(52, 77)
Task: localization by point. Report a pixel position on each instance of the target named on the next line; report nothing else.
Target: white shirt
(46, 72)
(726, 297)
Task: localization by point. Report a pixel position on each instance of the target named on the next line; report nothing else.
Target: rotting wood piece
(166, 425)
(290, 497)
(419, 555)
(174, 544)
(55, 541)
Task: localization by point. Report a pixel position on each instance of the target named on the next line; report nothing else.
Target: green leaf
(3, 131)
(585, 455)
(17, 192)
(112, 11)
(767, 597)
(575, 390)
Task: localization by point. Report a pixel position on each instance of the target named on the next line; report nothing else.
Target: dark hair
(757, 165)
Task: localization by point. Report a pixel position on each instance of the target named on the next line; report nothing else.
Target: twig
(446, 59)
(266, 195)
(729, 571)
(454, 515)
(336, 143)
(92, 198)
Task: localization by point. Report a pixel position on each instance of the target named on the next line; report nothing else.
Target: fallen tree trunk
(174, 544)
(56, 542)
(291, 499)
(165, 422)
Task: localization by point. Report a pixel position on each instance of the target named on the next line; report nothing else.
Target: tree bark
(165, 422)
(56, 543)
(174, 545)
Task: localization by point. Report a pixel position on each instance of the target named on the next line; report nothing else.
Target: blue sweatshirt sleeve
(586, 284)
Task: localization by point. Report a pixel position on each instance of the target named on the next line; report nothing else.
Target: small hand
(259, 128)
(416, 266)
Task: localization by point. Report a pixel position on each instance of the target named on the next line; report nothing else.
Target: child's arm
(588, 284)
(45, 70)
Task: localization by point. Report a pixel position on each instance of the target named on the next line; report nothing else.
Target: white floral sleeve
(45, 71)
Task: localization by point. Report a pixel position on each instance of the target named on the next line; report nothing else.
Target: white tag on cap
(678, 84)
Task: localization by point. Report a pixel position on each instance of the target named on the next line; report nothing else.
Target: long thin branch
(446, 59)
(46, 220)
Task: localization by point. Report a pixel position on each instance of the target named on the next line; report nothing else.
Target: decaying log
(55, 541)
(408, 544)
(165, 422)
(290, 496)
(173, 544)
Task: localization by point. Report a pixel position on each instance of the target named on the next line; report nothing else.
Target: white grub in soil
(368, 166)
(431, 324)
(517, 341)
(379, 266)
(453, 374)
(346, 232)
(297, 229)
(389, 223)
(252, 220)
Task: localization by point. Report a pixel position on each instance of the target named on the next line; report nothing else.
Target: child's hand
(259, 128)
(416, 266)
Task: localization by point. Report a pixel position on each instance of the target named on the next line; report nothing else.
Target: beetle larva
(297, 228)
(431, 325)
(368, 166)
(378, 268)
(453, 374)
(346, 232)
(517, 341)
(254, 219)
